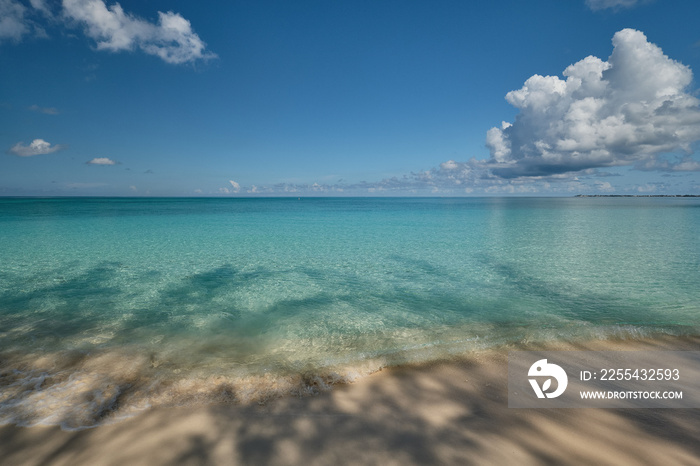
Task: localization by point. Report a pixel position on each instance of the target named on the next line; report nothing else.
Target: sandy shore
(453, 412)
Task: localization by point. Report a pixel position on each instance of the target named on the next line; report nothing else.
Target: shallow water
(108, 306)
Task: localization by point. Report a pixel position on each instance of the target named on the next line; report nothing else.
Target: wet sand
(452, 412)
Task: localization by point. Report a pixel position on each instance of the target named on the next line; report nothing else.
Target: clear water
(108, 306)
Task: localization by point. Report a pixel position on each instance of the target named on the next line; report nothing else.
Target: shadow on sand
(448, 413)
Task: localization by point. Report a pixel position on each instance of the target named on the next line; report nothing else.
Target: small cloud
(90, 72)
(40, 5)
(101, 161)
(133, 188)
(319, 188)
(604, 186)
(449, 165)
(597, 5)
(45, 110)
(236, 186)
(36, 147)
(148, 172)
(646, 188)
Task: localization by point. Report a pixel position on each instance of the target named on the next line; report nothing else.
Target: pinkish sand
(453, 412)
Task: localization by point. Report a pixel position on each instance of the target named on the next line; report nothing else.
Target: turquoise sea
(111, 305)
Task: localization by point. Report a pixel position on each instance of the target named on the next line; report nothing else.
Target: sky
(349, 98)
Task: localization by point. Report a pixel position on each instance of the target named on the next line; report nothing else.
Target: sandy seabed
(452, 412)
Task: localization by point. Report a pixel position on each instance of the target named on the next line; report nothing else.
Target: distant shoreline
(637, 195)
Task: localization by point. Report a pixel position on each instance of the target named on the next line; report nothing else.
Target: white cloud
(36, 147)
(40, 5)
(16, 19)
(596, 5)
(172, 39)
(627, 110)
(646, 188)
(45, 110)
(101, 161)
(13, 24)
(679, 164)
(604, 186)
(236, 186)
(449, 165)
(500, 147)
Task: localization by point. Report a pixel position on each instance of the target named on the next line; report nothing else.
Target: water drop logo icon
(543, 369)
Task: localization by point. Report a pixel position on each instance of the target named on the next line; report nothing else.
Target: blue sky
(450, 98)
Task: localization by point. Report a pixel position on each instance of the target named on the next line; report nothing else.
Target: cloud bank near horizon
(570, 132)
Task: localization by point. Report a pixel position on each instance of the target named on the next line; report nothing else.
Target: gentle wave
(77, 391)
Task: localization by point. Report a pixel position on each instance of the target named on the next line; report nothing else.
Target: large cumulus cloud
(628, 110)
